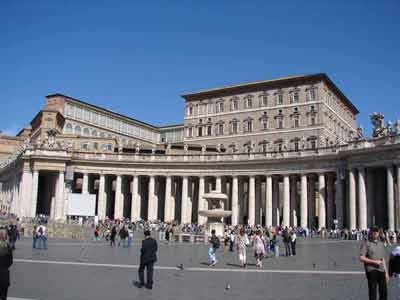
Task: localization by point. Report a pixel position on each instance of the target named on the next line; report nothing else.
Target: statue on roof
(378, 125)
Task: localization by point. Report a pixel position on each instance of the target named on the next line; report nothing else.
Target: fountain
(216, 212)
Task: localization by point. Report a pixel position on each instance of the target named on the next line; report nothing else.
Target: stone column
(85, 183)
(218, 184)
(135, 205)
(168, 200)
(312, 204)
(286, 201)
(293, 201)
(185, 199)
(119, 199)
(102, 201)
(352, 200)
(339, 199)
(330, 204)
(252, 200)
(60, 196)
(201, 204)
(303, 202)
(362, 198)
(152, 209)
(235, 200)
(322, 203)
(390, 198)
(275, 201)
(35, 187)
(268, 201)
(398, 199)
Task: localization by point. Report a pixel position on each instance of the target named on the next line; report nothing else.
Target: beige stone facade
(315, 172)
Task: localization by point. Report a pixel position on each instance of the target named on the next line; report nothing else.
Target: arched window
(86, 132)
(68, 128)
(78, 130)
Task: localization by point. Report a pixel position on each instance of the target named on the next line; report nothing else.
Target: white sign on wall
(81, 204)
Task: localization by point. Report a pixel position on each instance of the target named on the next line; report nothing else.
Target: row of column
(358, 191)
(287, 204)
(280, 207)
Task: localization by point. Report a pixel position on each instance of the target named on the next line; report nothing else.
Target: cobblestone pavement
(322, 269)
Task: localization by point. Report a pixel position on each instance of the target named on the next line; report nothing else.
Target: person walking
(113, 234)
(148, 257)
(242, 241)
(372, 254)
(12, 232)
(215, 244)
(286, 242)
(130, 236)
(277, 243)
(6, 260)
(41, 236)
(293, 239)
(259, 248)
(231, 240)
(34, 236)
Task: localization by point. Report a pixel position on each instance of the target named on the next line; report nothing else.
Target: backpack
(40, 230)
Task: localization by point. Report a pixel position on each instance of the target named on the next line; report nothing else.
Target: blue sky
(137, 58)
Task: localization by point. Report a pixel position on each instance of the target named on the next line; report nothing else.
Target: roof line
(232, 88)
(102, 109)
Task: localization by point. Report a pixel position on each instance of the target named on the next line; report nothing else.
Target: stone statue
(378, 124)
(397, 127)
(137, 148)
(360, 133)
(390, 128)
(153, 150)
(185, 147)
(203, 148)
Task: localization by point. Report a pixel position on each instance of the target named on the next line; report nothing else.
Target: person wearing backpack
(215, 244)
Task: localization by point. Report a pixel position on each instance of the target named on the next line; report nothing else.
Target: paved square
(87, 270)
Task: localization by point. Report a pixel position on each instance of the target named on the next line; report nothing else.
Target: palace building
(285, 151)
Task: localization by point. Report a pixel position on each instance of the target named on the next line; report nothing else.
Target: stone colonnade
(356, 197)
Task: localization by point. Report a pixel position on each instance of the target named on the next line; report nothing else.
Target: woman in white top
(259, 248)
(241, 242)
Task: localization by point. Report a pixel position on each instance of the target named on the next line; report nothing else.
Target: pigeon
(334, 264)
(228, 287)
(180, 267)
(313, 264)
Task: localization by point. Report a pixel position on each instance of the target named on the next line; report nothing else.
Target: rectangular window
(190, 132)
(313, 144)
(296, 97)
(235, 127)
(264, 100)
(265, 124)
(200, 131)
(221, 106)
(296, 146)
(249, 103)
(249, 126)
(312, 95)
(221, 129)
(235, 105)
(279, 99)
(279, 123)
(296, 122)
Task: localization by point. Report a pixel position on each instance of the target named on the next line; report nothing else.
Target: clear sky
(138, 58)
